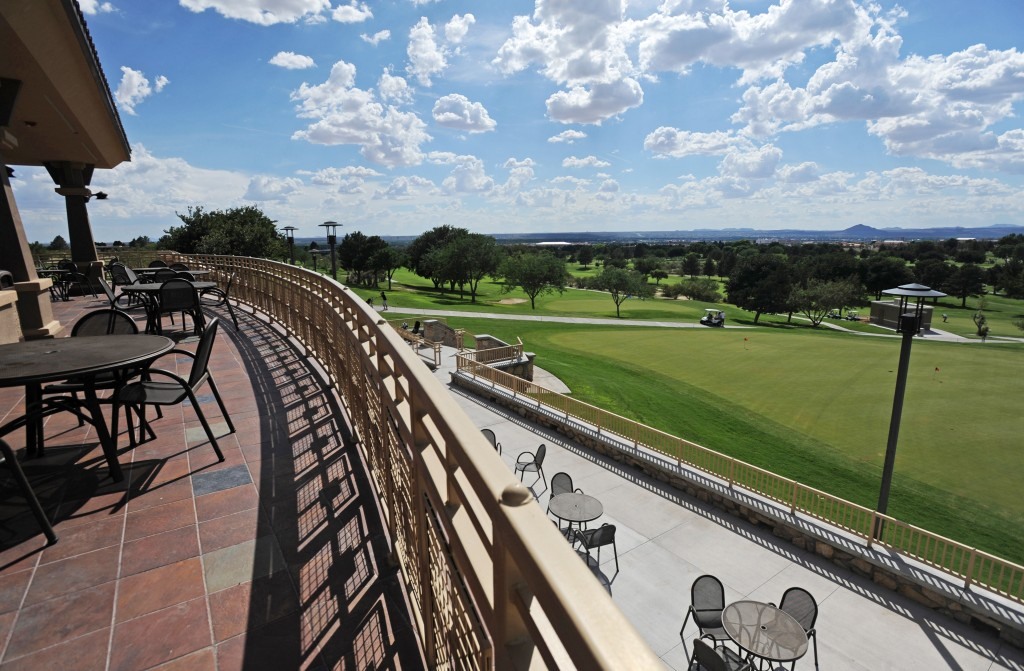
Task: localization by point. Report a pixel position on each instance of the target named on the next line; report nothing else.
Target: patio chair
(178, 267)
(6, 279)
(416, 328)
(123, 276)
(8, 458)
(178, 295)
(185, 275)
(163, 274)
(157, 263)
(707, 657)
(108, 321)
(533, 462)
(799, 603)
(492, 439)
(707, 601)
(561, 483)
(158, 393)
(596, 538)
(216, 296)
(75, 277)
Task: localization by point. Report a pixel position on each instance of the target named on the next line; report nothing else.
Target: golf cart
(713, 317)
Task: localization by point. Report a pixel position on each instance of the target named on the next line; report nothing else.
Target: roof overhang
(62, 108)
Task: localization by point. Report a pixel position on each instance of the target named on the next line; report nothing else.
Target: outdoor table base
(575, 508)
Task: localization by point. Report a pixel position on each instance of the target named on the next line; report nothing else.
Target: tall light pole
(289, 232)
(314, 253)
(332, 240)
(909, 324)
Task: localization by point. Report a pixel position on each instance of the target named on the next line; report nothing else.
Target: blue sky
(395, 117)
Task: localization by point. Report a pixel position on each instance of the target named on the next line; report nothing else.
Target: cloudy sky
(393, 117)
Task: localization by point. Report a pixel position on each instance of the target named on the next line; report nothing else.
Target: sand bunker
(511, 301)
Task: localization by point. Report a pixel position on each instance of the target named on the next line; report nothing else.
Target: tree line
(813, 279)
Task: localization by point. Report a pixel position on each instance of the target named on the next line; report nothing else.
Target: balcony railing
(971, 565)
(491, 582)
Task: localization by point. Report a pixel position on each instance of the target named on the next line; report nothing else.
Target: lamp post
(909, 324)
(314, 253)
(289, 232)
(332, 240)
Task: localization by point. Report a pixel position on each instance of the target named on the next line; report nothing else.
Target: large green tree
(536, 273)
(819, 297)
(475, 256)
(422, 261)
(241, 231)
(623, 284)
(968, 280)
(760, 283)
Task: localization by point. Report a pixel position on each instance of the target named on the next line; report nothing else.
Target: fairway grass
(815, 406)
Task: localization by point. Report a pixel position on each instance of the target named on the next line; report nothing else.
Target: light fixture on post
(909, 323)
(289, 232)
(332, 240)
(315, 252)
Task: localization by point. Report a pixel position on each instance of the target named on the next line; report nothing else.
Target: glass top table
(764, 631)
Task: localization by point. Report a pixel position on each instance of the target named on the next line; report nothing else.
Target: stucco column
(34, 310)
(73, 183)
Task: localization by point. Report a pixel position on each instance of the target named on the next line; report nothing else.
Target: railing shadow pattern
(350, 609)
(490, 582)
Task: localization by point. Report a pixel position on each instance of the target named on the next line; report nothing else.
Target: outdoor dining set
(567, 504)
(107, 361)
(761, 633)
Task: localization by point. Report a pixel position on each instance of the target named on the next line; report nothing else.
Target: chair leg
(28, 493)
(206, 425)
(220, 402)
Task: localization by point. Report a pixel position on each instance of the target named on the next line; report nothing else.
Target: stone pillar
(73, 183)
(34, 310)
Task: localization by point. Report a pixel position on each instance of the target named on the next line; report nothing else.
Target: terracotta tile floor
(274, 559)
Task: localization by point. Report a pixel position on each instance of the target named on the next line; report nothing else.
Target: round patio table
(199, 272)
(34, 362)
(765, 631)
(575, 508)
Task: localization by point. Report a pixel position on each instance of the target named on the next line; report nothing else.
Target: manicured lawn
(815, 406)
(810, 404)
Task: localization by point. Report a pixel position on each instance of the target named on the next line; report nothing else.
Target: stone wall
(925, 586)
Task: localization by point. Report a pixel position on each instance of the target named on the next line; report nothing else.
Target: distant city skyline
(514, 117)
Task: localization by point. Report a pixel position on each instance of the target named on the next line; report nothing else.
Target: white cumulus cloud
(292, 61)
(376, 38)
(456, 111)
(586, 162)
(261, 12)
(426, 57)
(455, 30)
(568, 136)
(134, 88)
(354, 12)
(345, 114)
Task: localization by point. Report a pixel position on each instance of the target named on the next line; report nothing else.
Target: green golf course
(811, 404)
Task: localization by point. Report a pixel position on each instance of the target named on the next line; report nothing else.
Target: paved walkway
(666, 539)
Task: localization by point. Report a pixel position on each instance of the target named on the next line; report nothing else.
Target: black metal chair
(108, 321)
(561, 483)
(178, 267)
(158, 393)
(220, 297)
(798, 602)
(707, 601)
(492, 439)
(707, 657)
(157, 263)
(534, 463)
(123, 276)
(596, 538)
(8, 458)
(6, 279)
(178, 295)
(74, 277)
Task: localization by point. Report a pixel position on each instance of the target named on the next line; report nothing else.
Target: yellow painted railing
(971, 565)
(491, 582)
